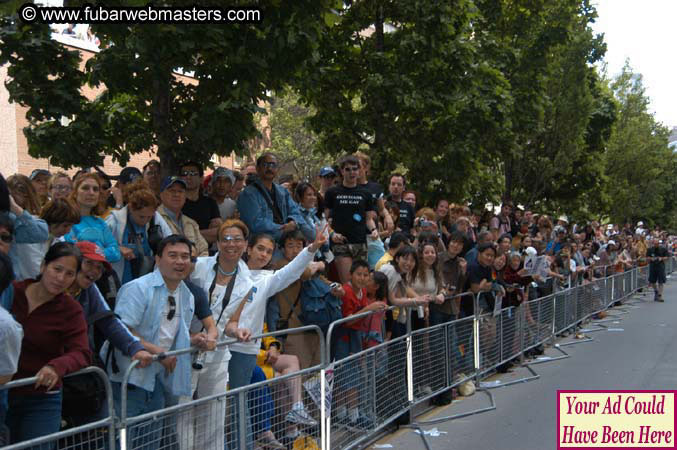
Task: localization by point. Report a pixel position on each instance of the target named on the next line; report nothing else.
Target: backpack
(84, 395)
(318, 305)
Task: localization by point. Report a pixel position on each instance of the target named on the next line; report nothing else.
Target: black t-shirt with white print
(349, 207)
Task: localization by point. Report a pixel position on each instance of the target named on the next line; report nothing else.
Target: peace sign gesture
(320, 238)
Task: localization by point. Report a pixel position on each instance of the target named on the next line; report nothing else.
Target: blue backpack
(318, 305)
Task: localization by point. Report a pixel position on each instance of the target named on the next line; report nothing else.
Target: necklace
(226, 274)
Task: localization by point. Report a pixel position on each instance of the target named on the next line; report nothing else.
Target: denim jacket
(255, 212)
(140, 304)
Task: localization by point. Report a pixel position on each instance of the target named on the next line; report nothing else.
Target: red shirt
(351, 305)
(55, 333)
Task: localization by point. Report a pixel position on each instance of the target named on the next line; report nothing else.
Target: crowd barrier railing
(381, 382)
(94, 435)
(222, 420)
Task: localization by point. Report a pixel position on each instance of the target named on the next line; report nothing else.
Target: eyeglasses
(172, 307)
(61, 188)
(189, 173)
(269, 164)
(351, 169)
(236, 239)
(6, 238)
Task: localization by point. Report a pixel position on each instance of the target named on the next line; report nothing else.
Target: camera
(198, 360)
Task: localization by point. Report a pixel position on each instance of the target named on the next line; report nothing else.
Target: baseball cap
(129, 174)
(38, 172)
(327, 171)
(168, 181)
(612, 242)
(92, 251)
(222, 172)
(530, 251)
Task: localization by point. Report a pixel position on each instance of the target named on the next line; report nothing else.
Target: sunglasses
(236, 239)
(6, 238)
(189, 173)
(172, 307)
(269, 164)
(351, 169)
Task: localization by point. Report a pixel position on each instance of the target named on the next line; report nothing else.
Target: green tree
(545, 49)
(292, 141)
(403, 80)
(639, 165)
(143, 103)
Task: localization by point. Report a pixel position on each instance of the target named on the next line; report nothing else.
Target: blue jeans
(33, 416)
(240, 370)
(144, 435)
(261, 404)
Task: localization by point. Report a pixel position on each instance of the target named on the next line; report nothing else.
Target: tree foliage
(295, 145)
(404, 81)
(639, 165)
(143, 103)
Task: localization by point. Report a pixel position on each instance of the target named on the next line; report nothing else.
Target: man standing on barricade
(657, 255)
(267, 207)
(353, 212)
(158, 309)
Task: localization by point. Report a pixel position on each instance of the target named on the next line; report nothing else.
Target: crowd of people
(107, 270)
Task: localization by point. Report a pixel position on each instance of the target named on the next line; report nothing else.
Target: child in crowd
(350, 336)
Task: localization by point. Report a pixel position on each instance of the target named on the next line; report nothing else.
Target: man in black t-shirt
(198, 207)
(352, 212)
(407, 213)
(375, 189)
(657, 254)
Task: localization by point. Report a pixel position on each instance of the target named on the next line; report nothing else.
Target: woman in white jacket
(134, 228)
(266, 284)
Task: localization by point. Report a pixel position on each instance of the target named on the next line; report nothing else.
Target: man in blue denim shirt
(266, 207)
(158, 309)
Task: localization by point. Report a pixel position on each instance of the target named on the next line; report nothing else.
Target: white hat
(611, 242)
(640, 223)
(530, 251)
(563, 219)
(610, 227)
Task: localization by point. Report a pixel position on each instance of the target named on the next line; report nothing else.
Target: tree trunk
(379, 157)
(161, 123)
(508, 174)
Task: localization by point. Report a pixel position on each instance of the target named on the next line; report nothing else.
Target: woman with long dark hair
(55, 343)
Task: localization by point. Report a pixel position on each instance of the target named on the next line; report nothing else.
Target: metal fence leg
(547, 359)
(534, 376)
(491, 407)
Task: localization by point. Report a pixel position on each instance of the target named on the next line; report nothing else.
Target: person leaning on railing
(54, 344)
(225, 278)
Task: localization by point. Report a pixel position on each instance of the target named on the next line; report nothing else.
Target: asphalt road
(639, 351)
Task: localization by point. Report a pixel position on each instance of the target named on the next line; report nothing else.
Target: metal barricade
(351, 399)
(374, 385)
(225, 419)
(98, 434)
